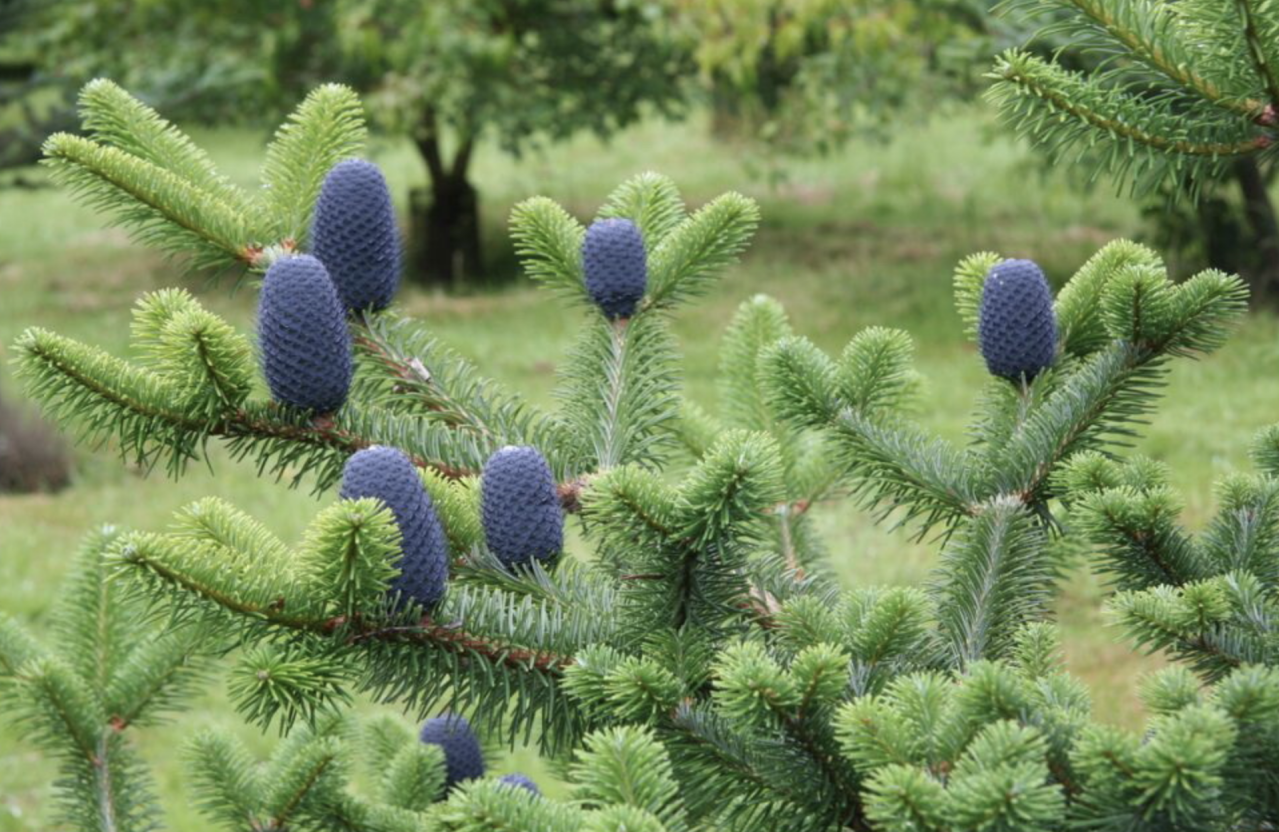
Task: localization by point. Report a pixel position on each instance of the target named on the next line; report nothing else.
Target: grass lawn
(869, 237)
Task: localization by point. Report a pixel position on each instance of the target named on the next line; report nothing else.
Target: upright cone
(463, 758)
(1016, 325)
(616, 266)
(354, 234)
(520, 507)
(305, 345)
(388, 475)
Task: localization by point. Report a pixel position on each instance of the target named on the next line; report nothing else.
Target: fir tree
(1182, 94)
(701, 672)
(112, 669)
(1208, 598)
(1212, 65)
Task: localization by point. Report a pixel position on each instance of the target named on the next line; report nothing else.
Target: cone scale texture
(354, 234)
(463, 758)
(1016, 326)
(520, 781)
(305, 345)
(615, 265)
(520, 507)
(389, 475)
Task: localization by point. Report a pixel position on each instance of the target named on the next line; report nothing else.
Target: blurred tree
(212, 62)
(521, 71)
(28, 96)
(447, 74)
(31, 457)
(802, 75)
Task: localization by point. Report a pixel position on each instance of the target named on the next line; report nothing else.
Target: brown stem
(462, 159)
(282, 817)
(322, 432)
(429, 631)
(1260, 213)
(427, 142)
(426, 631)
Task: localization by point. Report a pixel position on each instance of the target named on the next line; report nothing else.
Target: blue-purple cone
(389, 475)
(463, 759)
(520, 507)
(520, 781)
(1016, 326)
(305, 345)
(615, 265)
(353, 233)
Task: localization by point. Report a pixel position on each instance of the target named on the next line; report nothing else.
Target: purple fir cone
(388, 475)
(520, 507)
(354, 234)
(305, 345)
(1016, 325)
(520, 781)
(615, 265)
(463, 759)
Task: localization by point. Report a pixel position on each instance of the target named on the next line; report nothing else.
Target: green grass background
(868, 237)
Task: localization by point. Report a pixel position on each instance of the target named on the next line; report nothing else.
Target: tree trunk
(444, 221)
(1263, 276)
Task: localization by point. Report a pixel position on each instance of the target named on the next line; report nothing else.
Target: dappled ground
(868, 238)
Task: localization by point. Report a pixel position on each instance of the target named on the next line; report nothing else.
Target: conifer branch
(1068, 94)
(327, 127)
(611, 452)
(652, 201)
(1149, 31)
(1177, 89)
(684, 263)
(730, 684)
(993, 579)
(163, 209)
(1257, 50)
(115, 118)
(619, 388)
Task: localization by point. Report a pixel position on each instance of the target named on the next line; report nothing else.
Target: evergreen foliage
(1182, 89)
(101, 674)
(701, 671)
(1205, 598)
(115, 668)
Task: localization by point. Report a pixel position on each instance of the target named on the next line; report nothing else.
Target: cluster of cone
(463, 757)
(520, 512)
(307, 360)
(355, 266)
(1016, 324)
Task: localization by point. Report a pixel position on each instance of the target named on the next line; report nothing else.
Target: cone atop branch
(616, 268)
(354, 235)
(306, 348)
(523, 519)
(388, 475)
(1017, 328)
(462, 753)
